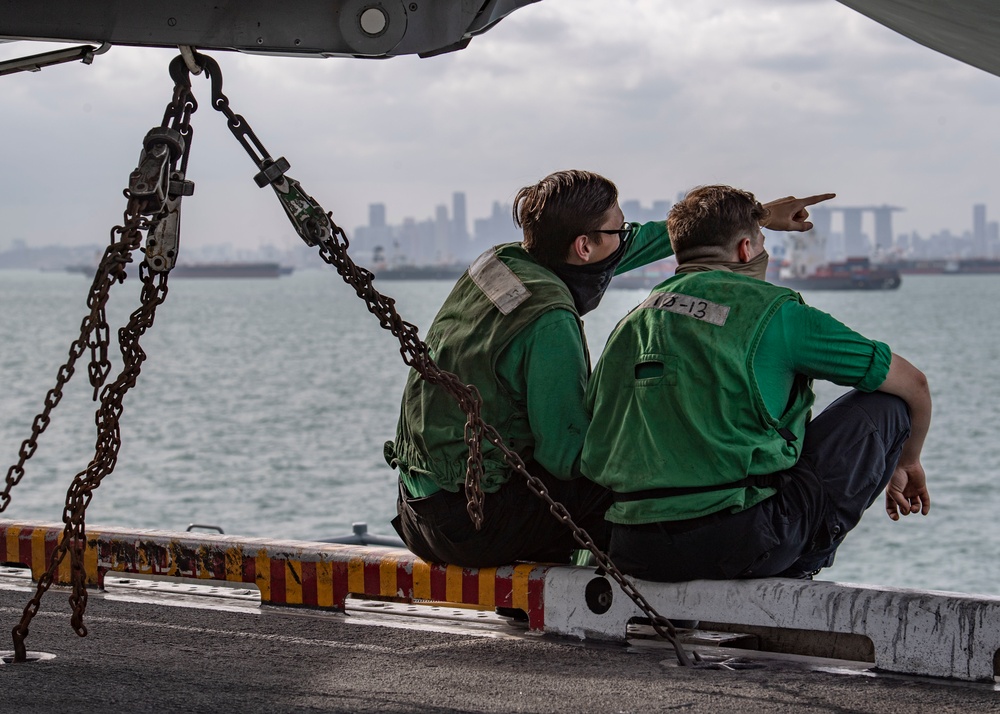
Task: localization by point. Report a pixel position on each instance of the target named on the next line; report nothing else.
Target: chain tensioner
(153, 205)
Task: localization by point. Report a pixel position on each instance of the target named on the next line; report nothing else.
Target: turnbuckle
(159, 190)
(150, 182)
(157, 184)
(163, 238)
(311, 222)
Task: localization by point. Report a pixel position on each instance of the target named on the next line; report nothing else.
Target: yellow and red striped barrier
(911, 631)
(286, 572)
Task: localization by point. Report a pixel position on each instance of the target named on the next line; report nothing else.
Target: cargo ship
(807, 268)
(446, 271)
(209, 270)
(943, 266)
(850, 274)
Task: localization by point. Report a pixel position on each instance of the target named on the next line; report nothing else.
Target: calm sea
(263, 407)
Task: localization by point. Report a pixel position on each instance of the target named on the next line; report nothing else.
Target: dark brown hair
(560, 207)
(711, 220)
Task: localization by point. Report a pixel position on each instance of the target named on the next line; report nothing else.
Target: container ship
(806, 268)
(850, 274)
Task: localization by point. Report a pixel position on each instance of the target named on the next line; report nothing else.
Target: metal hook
(214, 73)
(179, 72)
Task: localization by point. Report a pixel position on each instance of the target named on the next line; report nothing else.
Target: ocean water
(263, 406)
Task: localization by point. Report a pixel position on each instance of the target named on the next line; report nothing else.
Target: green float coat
(467, 337)
(533, 361)
(652, 425)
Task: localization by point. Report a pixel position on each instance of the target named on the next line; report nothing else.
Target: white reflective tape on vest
(498, 282)
(682, 304)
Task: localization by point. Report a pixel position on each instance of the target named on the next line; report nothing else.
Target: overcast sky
(793, 96)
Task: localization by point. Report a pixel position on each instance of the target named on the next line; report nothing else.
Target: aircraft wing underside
(968, 30)
(324, 28)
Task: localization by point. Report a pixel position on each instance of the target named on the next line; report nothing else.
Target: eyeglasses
(623, 233)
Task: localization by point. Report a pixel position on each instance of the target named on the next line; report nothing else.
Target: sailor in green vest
(701, 406)
(511, 326)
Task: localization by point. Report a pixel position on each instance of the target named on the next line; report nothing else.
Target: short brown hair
(711, 220)
(560, 207)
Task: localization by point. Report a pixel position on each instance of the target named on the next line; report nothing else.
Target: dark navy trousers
(849, 455)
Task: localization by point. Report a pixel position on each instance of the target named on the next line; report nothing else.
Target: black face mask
(588, 282)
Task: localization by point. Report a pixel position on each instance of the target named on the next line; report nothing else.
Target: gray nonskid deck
(213, 653)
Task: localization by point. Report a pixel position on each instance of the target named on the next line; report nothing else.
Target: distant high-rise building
(376, 237)
(822, 220)
(498, 228)
(416, 243)
(442, 236)
(854, 240)
(459, 219)
(883, 229)
(979, 230)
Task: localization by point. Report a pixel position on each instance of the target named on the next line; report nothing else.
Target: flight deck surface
(152, 650)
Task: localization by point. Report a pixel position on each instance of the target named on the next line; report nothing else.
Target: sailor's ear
(579, 250)
(744, 251)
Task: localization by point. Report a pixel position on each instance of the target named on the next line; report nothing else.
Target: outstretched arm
(790, 214)
(907, 490)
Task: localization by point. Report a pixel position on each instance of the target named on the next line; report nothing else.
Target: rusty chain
(94, 330)
(316, 227)
(94, 334)
(150, 186)
(74, 536)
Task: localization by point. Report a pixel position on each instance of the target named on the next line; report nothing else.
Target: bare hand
(790, 214)
(907, 491)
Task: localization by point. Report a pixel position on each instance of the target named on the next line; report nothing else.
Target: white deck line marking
(395, 621)
(224, 633)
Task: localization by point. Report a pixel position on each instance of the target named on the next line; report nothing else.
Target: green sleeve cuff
(878, 370)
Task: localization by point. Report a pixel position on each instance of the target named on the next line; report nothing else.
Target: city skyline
(430, 241)
(444, 237)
